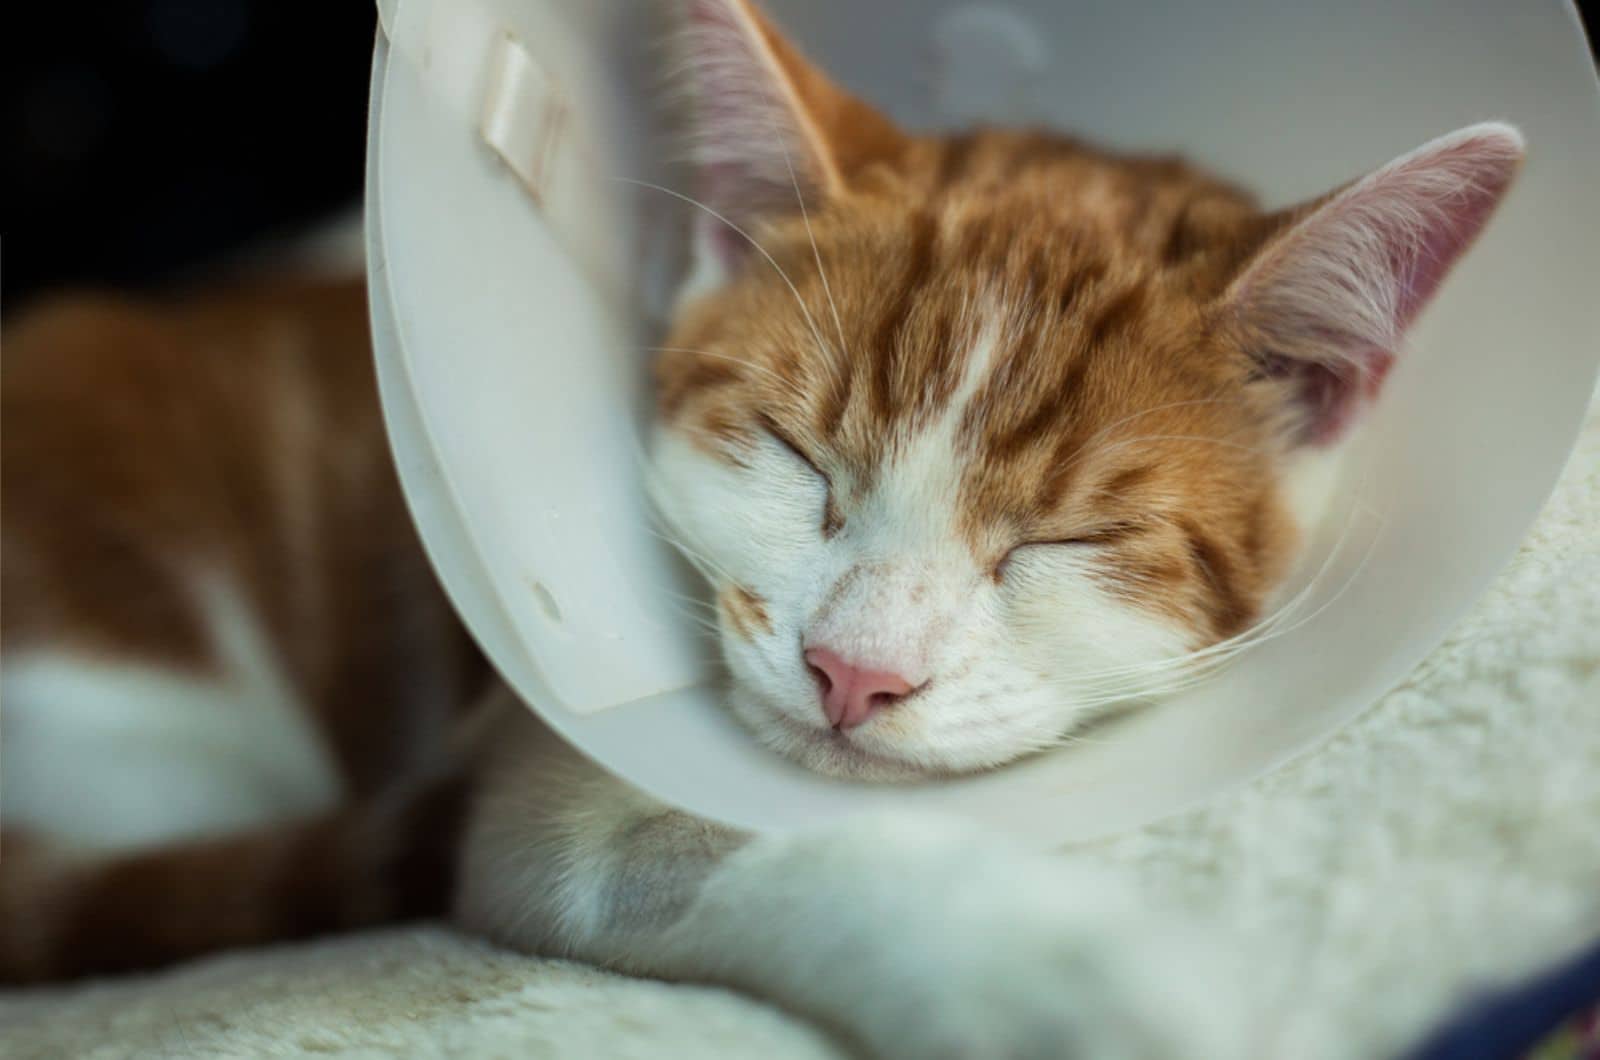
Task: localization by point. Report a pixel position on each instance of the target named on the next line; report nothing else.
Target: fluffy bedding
(1445, 844)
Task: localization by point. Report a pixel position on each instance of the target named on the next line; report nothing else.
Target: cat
(974, 436)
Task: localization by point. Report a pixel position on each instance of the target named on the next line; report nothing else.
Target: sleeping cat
(974, 437)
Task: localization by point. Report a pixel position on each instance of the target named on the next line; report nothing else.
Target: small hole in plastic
(547, 601)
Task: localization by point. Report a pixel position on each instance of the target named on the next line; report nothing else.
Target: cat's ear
(1325, 302)
(767, 128)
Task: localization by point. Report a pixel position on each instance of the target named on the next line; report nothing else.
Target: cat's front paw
(916, 939)
(1024, 983)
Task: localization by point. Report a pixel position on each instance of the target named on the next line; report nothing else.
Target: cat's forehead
(972, 405)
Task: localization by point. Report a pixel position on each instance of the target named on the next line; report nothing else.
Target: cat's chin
(837, 754)
(832, 753)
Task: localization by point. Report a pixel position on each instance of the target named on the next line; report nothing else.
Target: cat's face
(1016, 468)
(998, 430)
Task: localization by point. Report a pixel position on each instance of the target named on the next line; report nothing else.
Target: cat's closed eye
(831, 519)
(783, 438)
(1101, 536)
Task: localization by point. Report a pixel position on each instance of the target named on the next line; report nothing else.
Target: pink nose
(851, 694)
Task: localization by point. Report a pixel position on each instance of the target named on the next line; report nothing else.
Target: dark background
(145, 135)
(142, 136)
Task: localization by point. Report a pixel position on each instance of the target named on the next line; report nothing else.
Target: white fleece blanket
(1447, 841)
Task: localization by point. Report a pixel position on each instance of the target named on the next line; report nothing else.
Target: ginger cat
(977, 436)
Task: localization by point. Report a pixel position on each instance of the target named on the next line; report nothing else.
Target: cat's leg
(907, 936)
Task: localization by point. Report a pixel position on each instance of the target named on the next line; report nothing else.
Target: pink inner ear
(1421, 265)
(1328, 304)
(744, 137)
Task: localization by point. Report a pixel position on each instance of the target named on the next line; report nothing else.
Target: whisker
(747, 237)
(689, 601)
(1120, 443)
(704, 624)
(746, 362)
(1206, 669)
(1071, 737)
(705, 565)
(805, 216)
(1223, 651)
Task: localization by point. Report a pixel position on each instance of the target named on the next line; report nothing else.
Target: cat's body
(217, 617)
(975, 437)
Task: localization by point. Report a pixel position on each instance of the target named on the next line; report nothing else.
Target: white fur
(120, 754)
(1034, 958)
(1310, 476)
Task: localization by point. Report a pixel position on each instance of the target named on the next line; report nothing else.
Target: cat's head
(977, 435)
